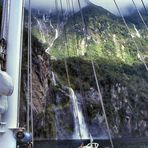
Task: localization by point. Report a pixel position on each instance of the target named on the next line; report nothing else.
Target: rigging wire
(82, 16)
(58, 15)
(78, 63)
(102, 104)
(4, 32)
(65, 37)
(73, 12)
(140, 15)
(61, 7)
(5, 19)
(30, 100)
(56, 6)
(128, 29)
(65, 61)
(32, 123)
(94, 71)
(79, 72)
(58, 12)
(20, 67)
(68, 6)
(144, 6)
(28, 77)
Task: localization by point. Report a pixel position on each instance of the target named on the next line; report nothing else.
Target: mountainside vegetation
(121, 73)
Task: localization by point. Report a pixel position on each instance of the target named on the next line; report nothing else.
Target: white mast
(14, 52)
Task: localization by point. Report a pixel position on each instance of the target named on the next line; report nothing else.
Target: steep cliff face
(59, 105)
(51, 104)
(40, 78)
(124, 92)
(121, 74)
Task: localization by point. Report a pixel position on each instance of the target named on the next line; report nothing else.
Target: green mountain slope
(107, 37)
(122, 76)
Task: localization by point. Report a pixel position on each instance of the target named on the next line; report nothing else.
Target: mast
(13, 64)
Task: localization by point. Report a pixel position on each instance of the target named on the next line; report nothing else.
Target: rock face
(121, 75)
(51, 103)
(40, 78)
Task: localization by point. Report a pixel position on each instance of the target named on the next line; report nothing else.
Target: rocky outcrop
(40, 85)
(53, 117)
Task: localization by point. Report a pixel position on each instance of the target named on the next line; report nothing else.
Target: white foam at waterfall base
(81, 131)
(10, 143)
(137, 32)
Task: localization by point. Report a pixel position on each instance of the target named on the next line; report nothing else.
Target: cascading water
(56, 30)
(41, 30)
(53, 78)
(137, 32)
(81, 131)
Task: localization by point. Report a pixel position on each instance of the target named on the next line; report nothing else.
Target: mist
(124, 5)
(51, 4)
(107, 4)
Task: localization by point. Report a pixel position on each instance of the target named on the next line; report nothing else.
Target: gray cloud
(50, 4)
(107, 4)
(123, 4)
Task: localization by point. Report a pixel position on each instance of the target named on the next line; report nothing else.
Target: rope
(57, 10)
(28, 76)
(100, 96)
(4, 33)
(102, 104)
(65, 62)
(5, 19)
(82, 17)
(31, 72)
(22, 29)
(77, 42)
(61, 7)
(65, 36)
(78, 64)
(140, 15)
(144, 6)
(128, 29)
(80, 74)
(30, 101)
(68, 5)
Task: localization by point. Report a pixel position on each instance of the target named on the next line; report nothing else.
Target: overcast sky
(123, 4)
(107, 4)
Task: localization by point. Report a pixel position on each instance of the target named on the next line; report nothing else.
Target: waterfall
(41, 30)
(56, 30)
(137, 32)
(56, 34)
(53, 78)
(81, 131)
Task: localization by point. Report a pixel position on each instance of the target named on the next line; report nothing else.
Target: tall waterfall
(81, 131)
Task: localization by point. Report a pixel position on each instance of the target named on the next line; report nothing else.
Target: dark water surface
(118, 143)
